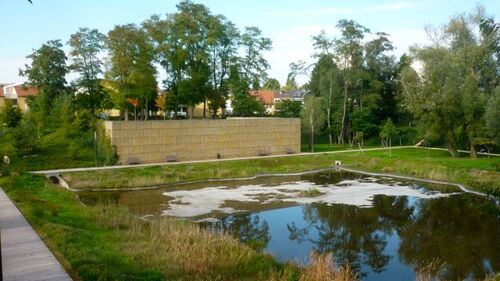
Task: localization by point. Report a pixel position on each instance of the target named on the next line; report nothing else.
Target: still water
(383, 228)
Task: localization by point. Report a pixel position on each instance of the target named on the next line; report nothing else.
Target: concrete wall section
(154, 141)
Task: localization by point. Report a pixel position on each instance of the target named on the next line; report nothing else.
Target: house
(294, 95)
(18, 94)
(2, 97)
(266, 97)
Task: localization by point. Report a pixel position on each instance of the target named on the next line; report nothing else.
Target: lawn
(480, 174)
(105, 242)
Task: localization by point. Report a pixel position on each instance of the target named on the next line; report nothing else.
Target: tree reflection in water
(457, 232)
(353, 235)
(248, 228)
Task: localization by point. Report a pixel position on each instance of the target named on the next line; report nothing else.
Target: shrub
(11, 116)
(25, 139)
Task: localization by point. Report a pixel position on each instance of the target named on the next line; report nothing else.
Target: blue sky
(290, 24)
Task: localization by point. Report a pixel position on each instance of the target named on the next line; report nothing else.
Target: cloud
(331, 11)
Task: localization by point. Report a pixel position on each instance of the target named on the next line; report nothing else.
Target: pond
(383, 228)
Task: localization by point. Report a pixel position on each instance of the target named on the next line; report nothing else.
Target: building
(294, 95)
(18, 94)
(266, 97)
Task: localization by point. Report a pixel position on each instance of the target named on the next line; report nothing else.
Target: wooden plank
(24, 255)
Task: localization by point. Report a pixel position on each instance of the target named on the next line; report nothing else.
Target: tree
(493, 117)
(272, 84)
(47, 72)
(131, 67)
(86, 47)
(460, 73)
(26, 140)
(325, 81)
(253, 63)
(312, 117)
(349, 55)
(223, 39)
(387, 133)
(161, 103)
(288, 108)
(10, 115)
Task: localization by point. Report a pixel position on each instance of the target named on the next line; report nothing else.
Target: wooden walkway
(24, 255)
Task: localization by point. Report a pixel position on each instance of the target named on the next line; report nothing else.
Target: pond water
(383, 228)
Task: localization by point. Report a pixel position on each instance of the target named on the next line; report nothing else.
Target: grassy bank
(106, 243)
(479, 174)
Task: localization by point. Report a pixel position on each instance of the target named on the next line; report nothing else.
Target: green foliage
(47, 72)
(312, 117)
(105, 150)
(458, 78)
(132, 74)
(26, 140)
(10, 115)
(493, 116)
(253, 63)
(86, 45)
(272, 84)
(288, 108)
(246, 105)
(387, 132)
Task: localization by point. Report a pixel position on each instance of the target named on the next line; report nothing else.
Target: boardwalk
(24, 255)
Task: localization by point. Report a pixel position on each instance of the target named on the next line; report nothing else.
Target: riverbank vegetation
(479, 174)
(105, 242)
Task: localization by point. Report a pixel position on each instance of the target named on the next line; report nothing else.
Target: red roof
(265, 96)
(26, 91)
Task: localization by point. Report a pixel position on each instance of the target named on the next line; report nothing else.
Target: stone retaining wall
(184, 140)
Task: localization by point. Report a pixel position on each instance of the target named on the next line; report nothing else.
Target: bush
(11, 116)
(25, 139)
(105, 150)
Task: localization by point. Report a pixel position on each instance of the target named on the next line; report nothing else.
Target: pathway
(84, 169)
(24, 255)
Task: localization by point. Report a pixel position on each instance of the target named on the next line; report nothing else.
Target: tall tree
(312, 117)
(86, 47)
(326, 82)
(349, 54)
(47, 72)
(253, 63)
(131, 68)
(223, 40)
(460, 73)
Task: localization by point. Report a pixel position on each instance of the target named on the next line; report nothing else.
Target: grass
(479, 174)
(311, 192)
(104, 242)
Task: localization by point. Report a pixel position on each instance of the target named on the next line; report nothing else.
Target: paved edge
(24, 255)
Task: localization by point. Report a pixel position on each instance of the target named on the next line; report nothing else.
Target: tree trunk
(329, 111)
(311, 123)
(473, 151)
(146, 111)
(452, 150)
(204, 107)
(342, 131)
(126, 113)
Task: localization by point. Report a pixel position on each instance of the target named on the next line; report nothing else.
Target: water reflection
(387, 241)
(396, 235)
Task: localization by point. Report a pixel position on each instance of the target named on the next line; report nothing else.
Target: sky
(288, 23)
